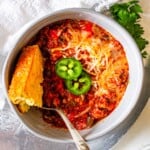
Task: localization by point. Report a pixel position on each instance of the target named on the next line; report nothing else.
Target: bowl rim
(131, 41)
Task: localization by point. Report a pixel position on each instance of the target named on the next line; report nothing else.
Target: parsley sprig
(128, 15)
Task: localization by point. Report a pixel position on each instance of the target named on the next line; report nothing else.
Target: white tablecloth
(15, 14)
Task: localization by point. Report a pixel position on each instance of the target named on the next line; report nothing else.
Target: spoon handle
(78, 139)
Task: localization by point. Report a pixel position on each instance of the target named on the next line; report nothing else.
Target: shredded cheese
(100, 54)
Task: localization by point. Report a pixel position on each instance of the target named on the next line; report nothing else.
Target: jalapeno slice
(79, 86)
(68, 68)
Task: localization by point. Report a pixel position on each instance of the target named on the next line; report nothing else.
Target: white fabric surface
(15, 14)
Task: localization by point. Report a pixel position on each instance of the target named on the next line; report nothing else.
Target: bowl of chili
(94, 86)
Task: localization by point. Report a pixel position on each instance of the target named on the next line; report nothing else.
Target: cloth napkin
(17, 14)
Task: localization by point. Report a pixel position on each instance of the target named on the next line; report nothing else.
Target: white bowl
(33, 120)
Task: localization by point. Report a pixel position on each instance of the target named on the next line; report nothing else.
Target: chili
(74, 39)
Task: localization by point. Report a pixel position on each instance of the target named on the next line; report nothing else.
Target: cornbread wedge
(25, 89)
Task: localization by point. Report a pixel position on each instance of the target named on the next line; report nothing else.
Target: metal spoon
(78, 139)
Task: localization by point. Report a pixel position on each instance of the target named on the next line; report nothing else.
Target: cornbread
(25, 89)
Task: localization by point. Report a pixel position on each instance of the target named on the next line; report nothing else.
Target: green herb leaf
(128, 15)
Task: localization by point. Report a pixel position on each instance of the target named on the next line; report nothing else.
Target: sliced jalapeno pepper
(79, 86)
(68, 68)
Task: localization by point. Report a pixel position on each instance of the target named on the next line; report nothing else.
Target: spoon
(78, 139)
